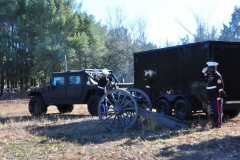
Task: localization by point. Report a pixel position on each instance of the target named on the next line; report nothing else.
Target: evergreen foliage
(36, 35)
(232, 32)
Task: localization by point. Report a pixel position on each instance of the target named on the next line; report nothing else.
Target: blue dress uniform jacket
(214, 86)
(102, 82)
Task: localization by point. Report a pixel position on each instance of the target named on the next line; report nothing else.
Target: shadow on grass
(83, 129)
(48, 117)
(90, 130)
(217, 148)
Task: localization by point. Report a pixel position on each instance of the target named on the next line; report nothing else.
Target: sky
(162, 15)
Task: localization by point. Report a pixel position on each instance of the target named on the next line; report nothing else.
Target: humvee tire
(37, 106)
(93, 105)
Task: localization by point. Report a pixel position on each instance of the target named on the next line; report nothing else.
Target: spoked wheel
(118, 110)
(142, 98)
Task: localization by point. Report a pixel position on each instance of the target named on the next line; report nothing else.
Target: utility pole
(65, 61)
(85, 62)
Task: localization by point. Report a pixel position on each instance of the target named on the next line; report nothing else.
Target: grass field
(78, 135)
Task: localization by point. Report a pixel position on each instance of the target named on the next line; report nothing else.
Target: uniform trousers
(100, 93)
(217, 112)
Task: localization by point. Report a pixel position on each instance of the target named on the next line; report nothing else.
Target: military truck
(173, 79)
(68, 88)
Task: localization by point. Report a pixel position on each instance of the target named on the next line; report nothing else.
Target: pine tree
(232, 32)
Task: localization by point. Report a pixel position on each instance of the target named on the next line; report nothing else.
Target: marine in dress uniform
(102, 83)
(215, 92)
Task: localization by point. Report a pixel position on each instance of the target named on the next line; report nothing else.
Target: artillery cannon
(118, 110)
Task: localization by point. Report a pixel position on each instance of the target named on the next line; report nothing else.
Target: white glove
(96, 72)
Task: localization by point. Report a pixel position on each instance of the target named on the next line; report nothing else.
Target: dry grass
(78, 135)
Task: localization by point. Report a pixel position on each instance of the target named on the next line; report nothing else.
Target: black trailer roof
(207, 43)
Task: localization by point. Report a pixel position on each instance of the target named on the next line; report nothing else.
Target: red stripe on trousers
(219, 113)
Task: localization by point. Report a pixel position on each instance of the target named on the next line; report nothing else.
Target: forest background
(36, 35)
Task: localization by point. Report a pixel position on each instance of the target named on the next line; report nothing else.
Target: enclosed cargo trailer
(173, 80)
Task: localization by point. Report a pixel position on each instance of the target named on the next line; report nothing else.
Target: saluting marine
(215, 92)
(102, 81)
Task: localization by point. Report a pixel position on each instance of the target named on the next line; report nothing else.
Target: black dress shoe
(215, 127)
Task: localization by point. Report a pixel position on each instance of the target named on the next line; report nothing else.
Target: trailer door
(228, 59)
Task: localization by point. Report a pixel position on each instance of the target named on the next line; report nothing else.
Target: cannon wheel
(142, 98)
(118, 110)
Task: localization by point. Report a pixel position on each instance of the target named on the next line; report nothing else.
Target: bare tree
(116, 18)
(202, 30)
(125, 37)
(139, 32)
(119, 56)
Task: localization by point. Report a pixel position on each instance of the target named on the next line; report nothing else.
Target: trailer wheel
(93, 105)
(118, 110)
(65, 108)
(141, 97)
(182, 110)
(37, 106)
(231, 113)
(164, 106)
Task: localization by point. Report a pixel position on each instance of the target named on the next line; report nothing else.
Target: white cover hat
(205, 70)
(212, 63)
(105, 72)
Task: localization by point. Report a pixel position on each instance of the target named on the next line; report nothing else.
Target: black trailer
(173, 80)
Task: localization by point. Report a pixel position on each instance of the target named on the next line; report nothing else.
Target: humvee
(68, 88)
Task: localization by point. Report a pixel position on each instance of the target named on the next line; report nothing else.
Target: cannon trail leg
(166, 120)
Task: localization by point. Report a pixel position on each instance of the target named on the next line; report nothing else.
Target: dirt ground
(78, 135)
(13, 96)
